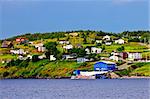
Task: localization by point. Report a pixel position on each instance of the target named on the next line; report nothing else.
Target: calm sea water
(74, 89)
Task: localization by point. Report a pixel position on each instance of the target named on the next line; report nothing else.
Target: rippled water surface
(74, 89)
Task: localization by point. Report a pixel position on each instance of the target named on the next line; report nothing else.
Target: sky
(32, 16)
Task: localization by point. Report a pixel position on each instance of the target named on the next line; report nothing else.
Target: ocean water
(74, 89)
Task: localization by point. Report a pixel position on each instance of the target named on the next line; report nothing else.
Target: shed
(82, 60)
(105, 66)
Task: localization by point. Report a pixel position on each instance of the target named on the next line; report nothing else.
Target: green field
(130, 47)
(143, 70)
(8, 56)
(136, 69)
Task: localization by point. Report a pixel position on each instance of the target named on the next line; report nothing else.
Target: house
(93, 50)
(70, 56)
(68, 47)
(114, 58)
(42, 56)
(19, 52)
(88, 50)
(96, 50)
(52, 58)
(41, 49)
(7, 44)
(38, 45)
(20, 57)
(105, 66)
(108, 43)
(134, 55)
(21, 39)
(119, 41)
(123, 55)
(29, 56)
(82, 60)
(31, 43)
(133, 37)
(107, 38)
(63, 42)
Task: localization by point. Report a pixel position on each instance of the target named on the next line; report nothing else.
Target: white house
(20, 57)
(42, 56)
(82, 60)
(19, 51)
(68, 47)
(106, 38)
(119, 41)
(52, 58)
(87, 51)
(41, 49)
(96, 50)
(63, 42)
(108, 43)
(93, 50)
(29, 56)
(133, 56)
(69, 56)
(38, 45)
(114, 58)
(31, 43)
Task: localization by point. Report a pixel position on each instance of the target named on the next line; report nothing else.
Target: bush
(83, 64)
(35, 58)
(5, 74)
(14, 63)
(24, 63)
(134, 40)
(98, 44)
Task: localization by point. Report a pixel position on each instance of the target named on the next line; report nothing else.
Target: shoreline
(48, 78)
(134, 77)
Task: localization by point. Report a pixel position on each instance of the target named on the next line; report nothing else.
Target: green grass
(145, 54)
(44, 68)
(130, 47)
(137, 69)
(142, 71)
(8, 56)
(85, 45)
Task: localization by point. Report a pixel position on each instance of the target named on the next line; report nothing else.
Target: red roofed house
(21, 39)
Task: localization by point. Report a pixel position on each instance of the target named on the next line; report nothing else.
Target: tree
(79, 51)
(52, 50)
(35, 58)
(51, 47)
(120, 49)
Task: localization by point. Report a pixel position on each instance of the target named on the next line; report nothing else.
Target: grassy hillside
(136, 69)
(43, 69)
(129, 47)
(46, 69)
